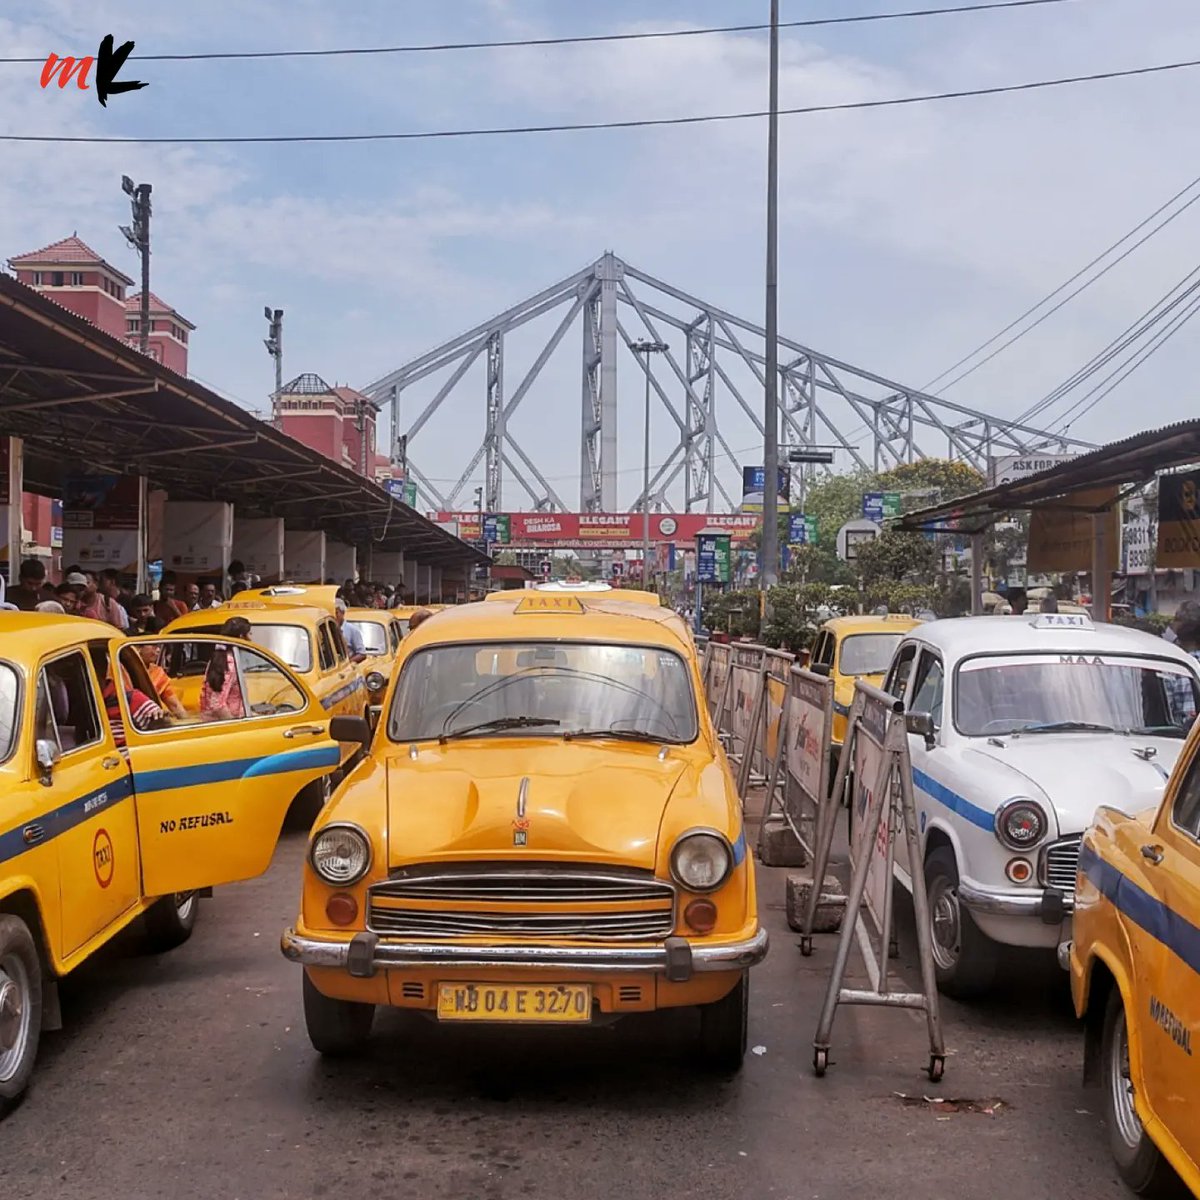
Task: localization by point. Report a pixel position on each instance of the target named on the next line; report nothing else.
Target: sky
(907, 235)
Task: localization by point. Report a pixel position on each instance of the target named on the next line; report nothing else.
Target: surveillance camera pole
(770, 533)
(138, 236)
(274, 345)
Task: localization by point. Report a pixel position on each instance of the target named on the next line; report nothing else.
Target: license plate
(562, 1003)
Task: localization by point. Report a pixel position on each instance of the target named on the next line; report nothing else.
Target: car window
(67, 713)
(823, 651)
(373, 634)
(325, 648)
(237, 684)
(867, 653)
(10, 713)
(897, 679)
(395, 634)
(927, 694)
(1185, 813)
(339, 642)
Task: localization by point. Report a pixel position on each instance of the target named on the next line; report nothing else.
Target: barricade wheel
(937, 1067)
(806, 945)
(820, 1062)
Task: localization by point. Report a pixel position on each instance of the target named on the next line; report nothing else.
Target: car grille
(547, 901)
(1060, 864)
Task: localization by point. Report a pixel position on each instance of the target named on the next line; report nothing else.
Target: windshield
(868, 653)
(1073, 692)
(544, 689)
(374, 636)
(9, 713)
(288, 642)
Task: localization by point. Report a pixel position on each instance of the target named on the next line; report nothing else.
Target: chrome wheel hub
(947, 923)
(14, 1014)
(1121, 1089)
(184, 903)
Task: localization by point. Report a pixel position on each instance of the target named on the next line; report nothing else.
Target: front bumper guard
(1047, 904)
(677, 959)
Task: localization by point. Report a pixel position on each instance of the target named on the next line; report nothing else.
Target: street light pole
(770, 534)
(138, 236)
(646, 349)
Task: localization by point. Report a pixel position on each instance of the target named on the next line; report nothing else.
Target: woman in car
(221, 695)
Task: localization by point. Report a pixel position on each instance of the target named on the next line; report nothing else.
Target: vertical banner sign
(802, 530)
(56, 524)
(1139, 537)
(807, 736)
(1060, 538)
(104, 519)
(754, 484)
(11, 482)
(868, 759)
(712, 557)
(1179, 520)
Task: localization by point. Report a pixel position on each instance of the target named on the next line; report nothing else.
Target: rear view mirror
(921, 724)
(350, 729)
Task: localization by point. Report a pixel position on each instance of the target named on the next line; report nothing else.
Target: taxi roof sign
(1062, 621)
(542, 602)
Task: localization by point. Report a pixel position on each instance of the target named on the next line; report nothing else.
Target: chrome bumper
(1047, 904)
(677, 958)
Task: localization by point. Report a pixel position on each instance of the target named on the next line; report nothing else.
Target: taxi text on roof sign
(1063, 621)
(544, 603)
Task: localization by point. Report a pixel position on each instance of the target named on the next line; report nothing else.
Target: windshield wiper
(1176, 731)
(499, 723)
(624, 735)
(1066, 727)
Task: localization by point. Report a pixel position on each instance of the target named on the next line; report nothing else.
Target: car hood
(599, 803)
(1078, 773)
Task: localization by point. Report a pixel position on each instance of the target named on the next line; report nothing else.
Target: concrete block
(778, 846)
(831, 904)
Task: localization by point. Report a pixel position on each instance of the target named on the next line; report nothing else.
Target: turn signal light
(342, 908)
(1019, 870)
(701, 915)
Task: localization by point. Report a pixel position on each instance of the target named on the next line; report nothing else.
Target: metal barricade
(798, 780)
(739, 705)
(716, 676)
(883, 809)
(762, 744)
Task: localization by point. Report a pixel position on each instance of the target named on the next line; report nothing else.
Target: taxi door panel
(212, 794)
(93, 821)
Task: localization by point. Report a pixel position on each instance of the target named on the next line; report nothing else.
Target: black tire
(20, 1008)
(310, 802)
(169, 922)
(1139, 1161)
(336, 1028)
(965, 959)
(724, 1027)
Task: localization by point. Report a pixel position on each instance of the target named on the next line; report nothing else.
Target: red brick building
(338, 422)
(168, 331)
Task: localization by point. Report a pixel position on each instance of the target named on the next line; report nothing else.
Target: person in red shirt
(221, 695)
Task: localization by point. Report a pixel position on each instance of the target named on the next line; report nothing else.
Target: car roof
(602, 619)
(958, 637)
(591, 590)
(310, 595)
(370, 614)
(256, 612)
(43, 633)
(891, 623)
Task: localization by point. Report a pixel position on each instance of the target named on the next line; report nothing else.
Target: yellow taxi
(119, 804)
(585, 588)
(544, 830)
(850, 648)
(381, 634)
(403, 614)
(1135, 979)
(305, 636)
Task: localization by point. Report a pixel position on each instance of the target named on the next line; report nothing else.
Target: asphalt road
(190, 1075)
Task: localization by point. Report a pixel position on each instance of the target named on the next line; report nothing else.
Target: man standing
(141, 611)
(168, 606)
(67, 594)
(208, 595)
(353, 639)
(109, 588)
(192, 596)
(31, 589)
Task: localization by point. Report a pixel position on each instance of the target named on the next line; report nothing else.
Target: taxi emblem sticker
(102, 857)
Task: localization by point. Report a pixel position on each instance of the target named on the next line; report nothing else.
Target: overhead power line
(966, 358)
(578, 40)
(641, 123)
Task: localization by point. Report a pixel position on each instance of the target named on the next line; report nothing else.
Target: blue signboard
(802, 530)
(394, 488)
(873, 507)
(712, 557)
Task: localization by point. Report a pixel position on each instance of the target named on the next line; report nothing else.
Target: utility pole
(138, 236)
(645, 349)
(770, 534)
(274, 345)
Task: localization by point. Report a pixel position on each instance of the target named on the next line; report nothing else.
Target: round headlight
(375, 681)
(340, 854)
(701, 861)
(1021, 823)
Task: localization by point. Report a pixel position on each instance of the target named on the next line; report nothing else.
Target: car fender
(21, 896)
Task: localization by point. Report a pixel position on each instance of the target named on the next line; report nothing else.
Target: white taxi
(1019, 729)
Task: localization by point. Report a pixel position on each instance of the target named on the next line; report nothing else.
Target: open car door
(221, 736)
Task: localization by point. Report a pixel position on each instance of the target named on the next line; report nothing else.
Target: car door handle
(304, 731)
(1152, 854)
(113, 760)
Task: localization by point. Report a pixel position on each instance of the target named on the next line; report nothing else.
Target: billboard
(1014, 467)
(603, 530)
(754, 482)
(712, 558)
(1060, 539)
(880, 506)
(1179, 520)
(802, 530)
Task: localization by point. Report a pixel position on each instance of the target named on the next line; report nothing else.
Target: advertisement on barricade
(718, 673)
(746, 682)
(868, 762)
(809, 720)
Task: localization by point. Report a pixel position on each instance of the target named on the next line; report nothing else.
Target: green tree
(947, 479)
(896, 557)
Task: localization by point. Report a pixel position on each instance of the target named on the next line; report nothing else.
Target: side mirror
(821, 669)
(48, 757)
(921, 724)
(350, 729)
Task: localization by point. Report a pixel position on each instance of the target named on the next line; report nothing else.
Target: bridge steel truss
(823, 401)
